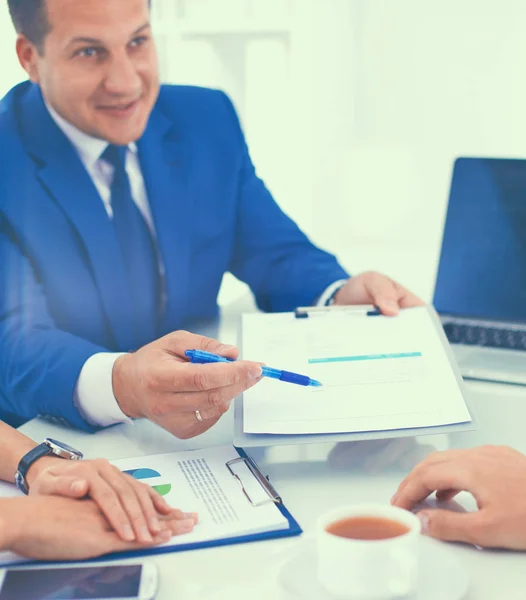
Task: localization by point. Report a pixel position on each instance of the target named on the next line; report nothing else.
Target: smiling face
(98, 66)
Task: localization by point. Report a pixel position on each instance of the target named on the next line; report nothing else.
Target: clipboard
(293, 529)
(258, 440)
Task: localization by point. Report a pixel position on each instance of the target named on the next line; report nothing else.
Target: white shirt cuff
(322, 300)
(94, 392)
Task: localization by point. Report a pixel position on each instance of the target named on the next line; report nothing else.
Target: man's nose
(122, 78)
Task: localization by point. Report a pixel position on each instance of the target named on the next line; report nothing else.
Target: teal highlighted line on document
(338, 359)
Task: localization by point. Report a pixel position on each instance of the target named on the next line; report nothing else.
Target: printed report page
(378, 373)
(199, 481)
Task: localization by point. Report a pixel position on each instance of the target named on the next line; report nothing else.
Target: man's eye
(138, 41)
(88, 52)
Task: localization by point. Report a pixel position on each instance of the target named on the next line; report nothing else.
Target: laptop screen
(482, 269)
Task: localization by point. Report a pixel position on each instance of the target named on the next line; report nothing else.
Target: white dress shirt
(94, 391)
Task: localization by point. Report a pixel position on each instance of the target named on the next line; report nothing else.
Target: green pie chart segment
(163, 489)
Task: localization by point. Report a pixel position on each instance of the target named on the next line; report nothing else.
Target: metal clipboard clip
(304, 312)
(272, 494)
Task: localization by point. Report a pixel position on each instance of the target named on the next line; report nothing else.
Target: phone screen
(76, 583)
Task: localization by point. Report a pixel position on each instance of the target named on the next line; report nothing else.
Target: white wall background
(10, 71)
(355, 109)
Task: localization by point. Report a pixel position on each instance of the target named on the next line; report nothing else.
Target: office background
(354, 109)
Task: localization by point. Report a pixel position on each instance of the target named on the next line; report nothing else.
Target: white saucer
(440, 575)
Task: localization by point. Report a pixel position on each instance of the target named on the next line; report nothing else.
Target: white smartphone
(104, 582)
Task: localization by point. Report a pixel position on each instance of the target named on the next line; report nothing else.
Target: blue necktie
(138, 251)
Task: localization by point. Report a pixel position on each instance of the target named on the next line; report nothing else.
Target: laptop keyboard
(493, 337)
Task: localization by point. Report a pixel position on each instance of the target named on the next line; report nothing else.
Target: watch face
(63, 450)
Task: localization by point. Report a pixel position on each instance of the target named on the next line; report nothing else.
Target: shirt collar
(88, 147)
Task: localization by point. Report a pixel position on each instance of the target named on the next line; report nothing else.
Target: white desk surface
(312, 479)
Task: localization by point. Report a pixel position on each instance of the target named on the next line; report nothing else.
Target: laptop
(480, 291)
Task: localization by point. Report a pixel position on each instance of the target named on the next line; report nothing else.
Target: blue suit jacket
(62, 281)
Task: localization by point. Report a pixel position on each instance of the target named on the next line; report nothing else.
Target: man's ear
(28, 57)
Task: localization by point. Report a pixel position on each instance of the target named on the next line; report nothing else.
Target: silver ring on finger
(198, 416)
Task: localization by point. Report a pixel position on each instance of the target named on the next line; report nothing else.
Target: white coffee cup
(369, 569)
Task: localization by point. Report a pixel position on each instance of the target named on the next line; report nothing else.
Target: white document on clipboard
(234, 500)
(378, 373)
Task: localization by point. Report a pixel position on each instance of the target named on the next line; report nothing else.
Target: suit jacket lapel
(165, 166)
(63, 174)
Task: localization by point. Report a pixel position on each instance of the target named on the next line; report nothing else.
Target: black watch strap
(26, 462)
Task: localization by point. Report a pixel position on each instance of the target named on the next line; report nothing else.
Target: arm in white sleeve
(324, 298)
(94, 392)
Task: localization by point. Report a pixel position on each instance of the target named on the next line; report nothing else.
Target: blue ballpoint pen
(202, 357)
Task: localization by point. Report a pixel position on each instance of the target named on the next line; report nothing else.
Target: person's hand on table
(495, 476)
(375, 288)
(134, 510)
(159, 383)
(53, 528)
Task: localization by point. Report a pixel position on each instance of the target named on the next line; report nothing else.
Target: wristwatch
(47, 448)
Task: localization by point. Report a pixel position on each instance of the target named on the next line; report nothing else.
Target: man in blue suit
(122, 205)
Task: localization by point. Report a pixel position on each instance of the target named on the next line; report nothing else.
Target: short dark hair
(30, 18)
